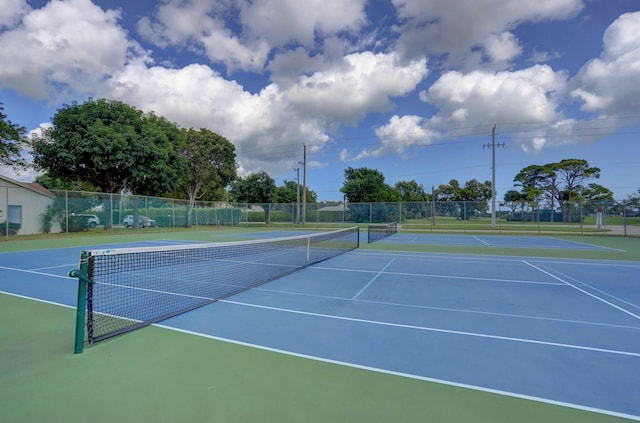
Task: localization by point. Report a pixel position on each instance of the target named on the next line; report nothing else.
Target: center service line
(478, 239)
(583, 291)
(373, 279)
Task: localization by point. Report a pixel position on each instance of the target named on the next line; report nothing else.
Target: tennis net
(128, 288)
(376, 232)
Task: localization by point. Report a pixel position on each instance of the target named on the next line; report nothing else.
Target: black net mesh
(378, 231)
(134, 287)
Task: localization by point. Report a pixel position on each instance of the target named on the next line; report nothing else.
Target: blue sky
(409, 87)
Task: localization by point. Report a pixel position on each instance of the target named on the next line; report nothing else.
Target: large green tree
(159, 164)
(474, 190)
(513, 199)
(411, 191)
(414, 195)
(59, 183)
(111, 145)
(256, 188)
(288, 193)
(596, 196)
(572, 173)
(632, 202)
(559, 182)
(11, 142)
(464, 201)
(364, 185)
(209, 165)
(536, 181)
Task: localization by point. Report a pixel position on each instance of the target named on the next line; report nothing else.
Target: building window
(15, 214)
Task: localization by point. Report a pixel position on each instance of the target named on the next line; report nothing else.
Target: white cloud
(529, 98)
(178, 21)
(611, 84)
(21, 175)
(221, 46)
(200, 27)
(444, 26)
(502, 48)
(535, 146)
(77, 45)
(269, 127)
(542, 56)
(12, 11)
(362, 83)
(69, 43)
(528, 95)
(284, 21)
(267, 134)
(320, 79)
(399, 134)
(561, 133)
(260, 26)
(287, 66)
(402, 132)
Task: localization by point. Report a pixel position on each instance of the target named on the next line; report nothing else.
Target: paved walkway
(620, 230)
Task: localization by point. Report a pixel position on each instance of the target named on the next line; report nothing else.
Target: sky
(412, 88)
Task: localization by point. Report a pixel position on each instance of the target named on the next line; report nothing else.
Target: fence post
(6, 219)
(66, 210)
(624, 217)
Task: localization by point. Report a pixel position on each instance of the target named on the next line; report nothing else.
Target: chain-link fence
(72, 211)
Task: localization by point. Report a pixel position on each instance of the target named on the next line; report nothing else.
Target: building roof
(30, 186)
(338, 208)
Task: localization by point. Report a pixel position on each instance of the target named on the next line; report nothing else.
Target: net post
(81, 311)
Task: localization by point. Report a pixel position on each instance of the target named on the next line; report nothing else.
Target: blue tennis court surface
(490, 241)
(454, 240)
(555, 330)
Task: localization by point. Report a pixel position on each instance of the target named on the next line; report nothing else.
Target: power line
(460, 135)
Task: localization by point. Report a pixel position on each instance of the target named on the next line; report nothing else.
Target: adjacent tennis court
(488, 337)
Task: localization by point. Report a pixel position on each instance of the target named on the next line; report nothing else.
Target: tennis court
(551, 330)
(539, 242)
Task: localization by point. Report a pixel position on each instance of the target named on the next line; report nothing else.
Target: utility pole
(304, 186)
(298, 194)
(493, 147)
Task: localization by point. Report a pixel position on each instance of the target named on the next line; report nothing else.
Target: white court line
(437, 330)
(35, 272)
(597, 289)
(373, 279)
(478, 239)
(40, 300)
(589, 245)
(584, 292)
(57, 267)
(450, 309)
(429, 275)
(490, 257)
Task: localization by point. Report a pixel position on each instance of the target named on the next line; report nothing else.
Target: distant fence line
(75, 211)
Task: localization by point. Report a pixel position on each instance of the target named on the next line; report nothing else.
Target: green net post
(83, 281)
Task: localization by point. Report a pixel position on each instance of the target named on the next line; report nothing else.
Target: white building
(24, 204)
